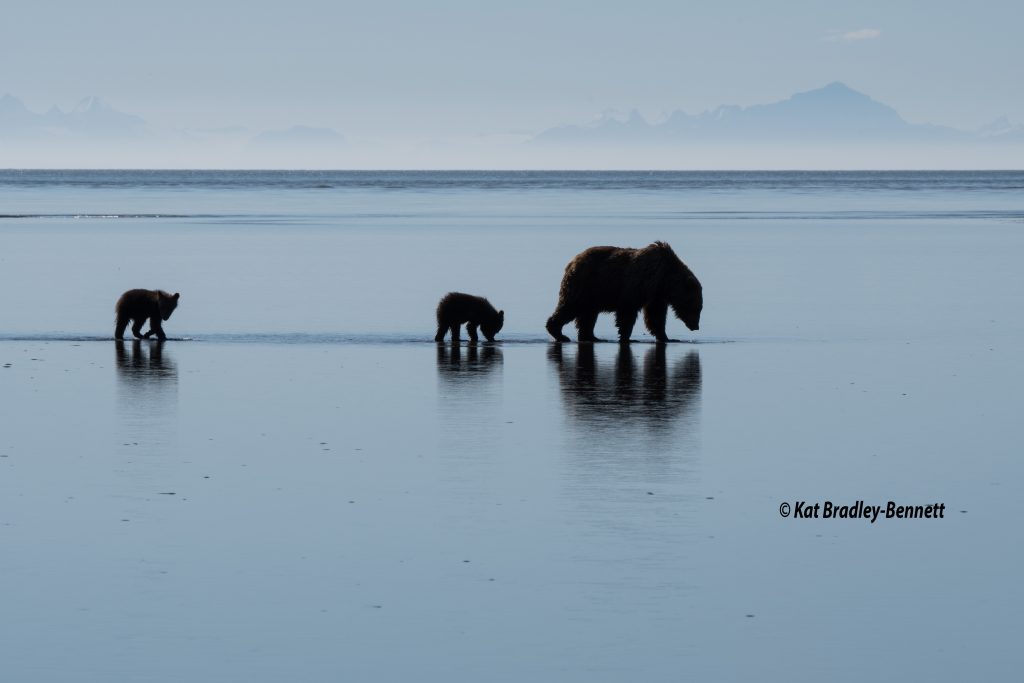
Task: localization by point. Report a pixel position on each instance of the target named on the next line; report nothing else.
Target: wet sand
(260, 511)
(301, 486)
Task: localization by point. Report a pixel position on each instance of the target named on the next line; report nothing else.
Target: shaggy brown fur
(622, 281)
(456, 308)
(139, 305)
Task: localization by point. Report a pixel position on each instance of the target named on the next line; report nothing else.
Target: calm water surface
(301, 486)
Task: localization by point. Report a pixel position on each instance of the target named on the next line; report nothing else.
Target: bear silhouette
(456, 308)
(623, 281)
(139, 305)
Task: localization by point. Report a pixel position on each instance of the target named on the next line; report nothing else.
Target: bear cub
(140, 305)
(456, 308)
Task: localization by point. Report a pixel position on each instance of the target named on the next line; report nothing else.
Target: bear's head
(167, 302)
(493, 326)
(687, 300)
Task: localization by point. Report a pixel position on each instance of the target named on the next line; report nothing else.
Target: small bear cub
(456, 308)
(139, 305)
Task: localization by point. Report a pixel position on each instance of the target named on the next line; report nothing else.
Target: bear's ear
(501, 315)
(176, 295)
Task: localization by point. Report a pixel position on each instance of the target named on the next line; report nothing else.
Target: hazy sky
(446, 67)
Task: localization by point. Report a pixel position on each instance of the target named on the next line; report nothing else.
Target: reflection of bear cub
(622, 280)
(456, 308)
(139, 305)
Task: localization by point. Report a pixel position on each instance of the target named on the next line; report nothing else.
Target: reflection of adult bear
(622, 281)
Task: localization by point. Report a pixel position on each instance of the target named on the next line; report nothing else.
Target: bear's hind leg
(558, 320)
(122, 325)
(137, 324)
(471, 329)
(624, 320)
(442, 330)
(585, 324)
(455, 333)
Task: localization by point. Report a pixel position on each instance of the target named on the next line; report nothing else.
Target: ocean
(301, 485)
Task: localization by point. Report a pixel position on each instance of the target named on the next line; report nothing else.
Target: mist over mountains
(829, 127)
(89, 118)
(832, 113)
(93, 134)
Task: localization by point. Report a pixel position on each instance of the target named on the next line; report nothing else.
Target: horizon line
(509, 170)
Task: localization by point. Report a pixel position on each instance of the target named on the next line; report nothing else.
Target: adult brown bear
(622, 281)
(140, 305)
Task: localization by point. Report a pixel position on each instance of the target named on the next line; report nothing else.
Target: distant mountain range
(834, 113)
(93, 119)
(833, 127)
(90, 117)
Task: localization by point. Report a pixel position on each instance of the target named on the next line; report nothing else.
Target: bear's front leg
(137, 328)
(471, 329)
(554, 325)
(156, 328)
(585, 323)
(654, 319)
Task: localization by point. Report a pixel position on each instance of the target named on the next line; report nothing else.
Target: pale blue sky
(448, 67)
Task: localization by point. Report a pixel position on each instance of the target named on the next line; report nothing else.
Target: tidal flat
(217, 511)
(299, 485)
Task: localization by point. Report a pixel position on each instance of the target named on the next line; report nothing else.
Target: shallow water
(301, 487)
